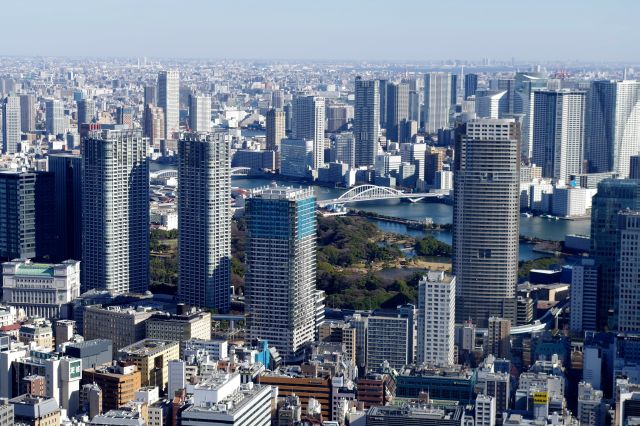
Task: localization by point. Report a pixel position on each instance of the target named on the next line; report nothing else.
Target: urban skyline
(451, 239)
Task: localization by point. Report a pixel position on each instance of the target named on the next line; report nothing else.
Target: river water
(545, 229)
(553, 230)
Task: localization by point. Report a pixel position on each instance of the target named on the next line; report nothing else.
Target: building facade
(397, 112)
(309, 124)
(124, 326)
(486, 220)
(296, 157)
(558, 132)
(613, 195)
(26, 222)
(115, 211)
(200, 113)
(281, 267)
(67, 179)
(366, 121)
(627, 291)
(204, 220)
(613, 125)
(44, 290)
(11, 124)
(54, 110)
(437, 101)
(436, 319)
(169, 100)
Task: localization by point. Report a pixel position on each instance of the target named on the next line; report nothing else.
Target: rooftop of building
(148, 347)
(24, 267)
(33, 406)
(426, 370)
(231, 404)
(417, 411)
(187, 317)
(90, 343)
(437, 276)
(119, 417)
(124, 310)
(275, 192)
(35, 328)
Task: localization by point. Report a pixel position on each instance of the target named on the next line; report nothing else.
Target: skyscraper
(150, 95)
(486, 215)
(309, 123)
(204, 220)
(28, 113)
(416, 154)
(613, 125)
(436, 319)
(275, 128)
(277, 99)
(526, 83)
(437, 101)
(470, 85)
(397, 111)
(11, 124)
(124, 116)
(296, 157)
(627, 290)
(281, 267)
(86, 111)
(584, 297)
(26, 203)
(366, 121)
(115, 211)
(169, 100)
(67, 177)
(338, 115)
(558, 132)
(383, 91)
(200, 113)
(454, 89)
(613, 195)
(154, 125)
(344, 149)
(507, 103)
(54, 116)
(488, 103)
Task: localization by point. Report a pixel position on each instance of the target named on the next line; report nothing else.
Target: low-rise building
(123, 326)
(6, 413)
(152, 357)
(318, 388)
(118, 383)
(339, 332)
(93, 353)
(223, 400)
(376, 389)
(61, 374)
(44, 290)
(39, 334)
(35, 410)
(416, 415)
(452, 384)
(191, 325)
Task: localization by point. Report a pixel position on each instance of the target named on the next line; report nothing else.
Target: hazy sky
(382, 30)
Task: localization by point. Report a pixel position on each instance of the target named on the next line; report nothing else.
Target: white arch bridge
(168, 173)
(373, 193)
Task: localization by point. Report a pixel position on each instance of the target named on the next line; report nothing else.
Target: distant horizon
(356, 30)
(466, 62)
